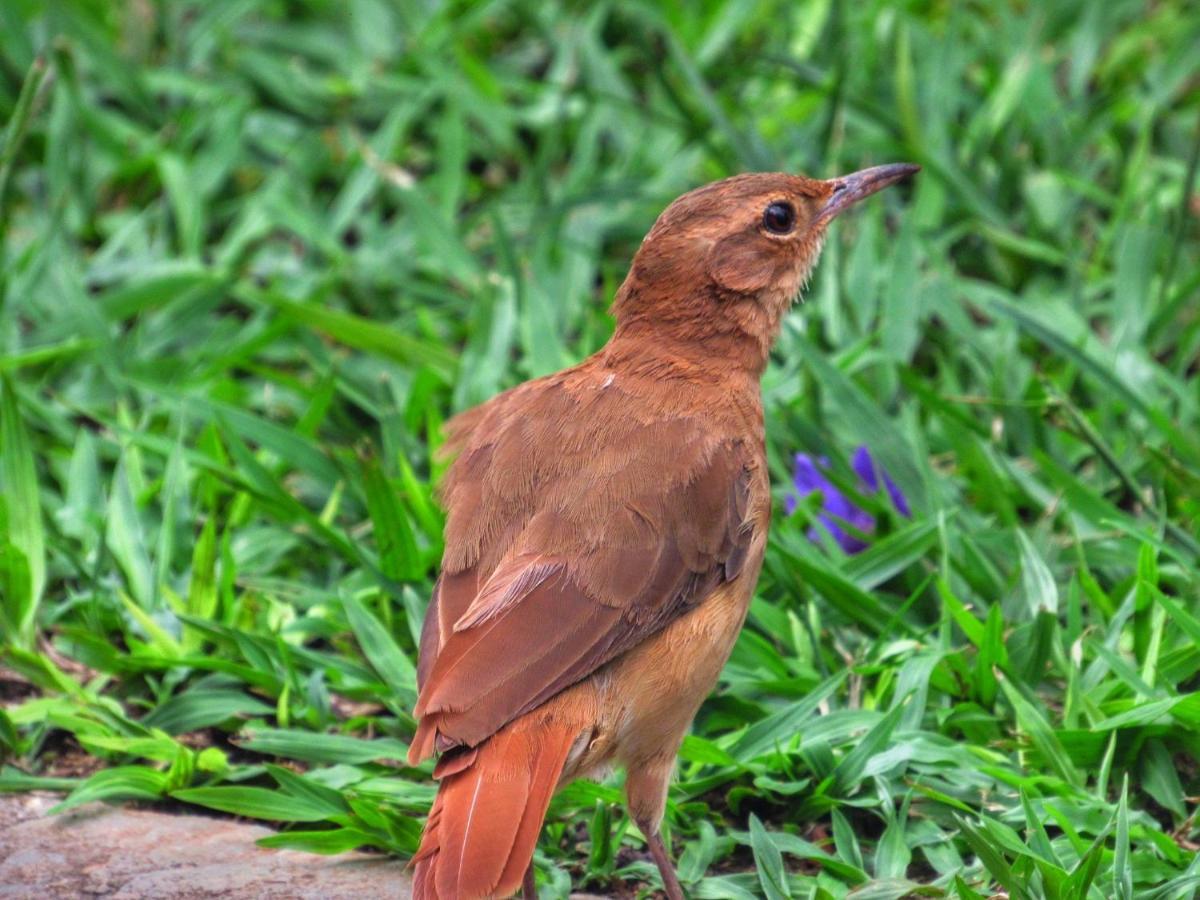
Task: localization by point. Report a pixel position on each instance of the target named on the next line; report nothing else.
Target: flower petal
(864, 467)
(807, 477)
(839, 527)
(898, 498)
(869, 471)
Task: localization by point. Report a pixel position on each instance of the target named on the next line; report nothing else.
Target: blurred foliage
(256, 251)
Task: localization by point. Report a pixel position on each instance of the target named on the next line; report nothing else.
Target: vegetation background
(256, 251)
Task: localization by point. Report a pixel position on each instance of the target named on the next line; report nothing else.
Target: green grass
(254, 253)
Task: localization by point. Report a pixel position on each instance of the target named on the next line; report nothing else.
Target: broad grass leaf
(845, 839)
(959, 614)
(1160, 778)
(313, 746)
(357, 332)
(1037, 582)
(389, 661)
(1033, 722)
(850, 770)
(891, 555)
(22, 512)
(777, 729)
(769, 862)
(117, 783)
(992, 858)
(329, 842)
(255, 803)
(126, 539)
(155, 286)
(202, 707)
(398, 556)
(1122, 868)
(13, 779)
(308, 790)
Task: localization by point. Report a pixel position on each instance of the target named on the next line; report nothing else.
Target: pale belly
(646, 700)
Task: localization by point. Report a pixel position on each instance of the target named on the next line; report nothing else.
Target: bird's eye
(779, 217)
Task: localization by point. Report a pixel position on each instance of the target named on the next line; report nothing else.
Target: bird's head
(730, 257)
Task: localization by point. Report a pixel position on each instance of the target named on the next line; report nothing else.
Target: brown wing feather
(452, 595)
(580, 524)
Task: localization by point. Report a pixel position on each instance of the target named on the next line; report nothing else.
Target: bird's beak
(849, 189)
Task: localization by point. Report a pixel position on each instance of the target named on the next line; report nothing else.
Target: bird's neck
(689, 350)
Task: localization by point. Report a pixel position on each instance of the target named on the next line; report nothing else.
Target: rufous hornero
(605, 529)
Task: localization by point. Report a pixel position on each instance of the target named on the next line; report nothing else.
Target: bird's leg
(646, 792)
(528, 888)
(666, 868)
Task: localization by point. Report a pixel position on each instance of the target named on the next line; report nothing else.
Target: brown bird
(605, 529)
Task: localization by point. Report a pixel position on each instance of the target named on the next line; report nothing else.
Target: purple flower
(844, 521)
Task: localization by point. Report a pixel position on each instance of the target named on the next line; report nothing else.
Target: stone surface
(130, 854)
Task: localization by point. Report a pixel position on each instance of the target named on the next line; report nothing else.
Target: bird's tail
(485, 822)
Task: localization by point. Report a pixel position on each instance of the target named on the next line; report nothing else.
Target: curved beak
(849, 189)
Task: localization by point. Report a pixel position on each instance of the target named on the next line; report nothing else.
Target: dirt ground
(106, 851)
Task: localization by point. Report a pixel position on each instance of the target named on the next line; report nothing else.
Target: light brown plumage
(605, 529)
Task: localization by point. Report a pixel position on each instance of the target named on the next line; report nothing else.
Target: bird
(605, 528)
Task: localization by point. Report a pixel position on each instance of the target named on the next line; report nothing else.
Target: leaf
(891, 555)
(850, 770)
(186, 207)
(355, 331)
(23, 519)
(967, 623)
(892, 854)
(1037, 584)
(991, 858)
(1034, 724)
(125, 539)
(780, 727)
(1122, 868)
(12, 779)
(313, 746)
(388, 660)
(327, 843)
(1079, 882)
(203, 707)
(1035, 831)
(202, 588)
(10, 742)
(17, 127)
(255, 803)
(601, 856)
(993, 655)
(845, 839)
(118, 783)
(308, 790)
(1160, 778)
(855, 603)
(157, 636)
(158, 747)
(157, 285)
(398, 557)
(769, 862)
(1104, 374)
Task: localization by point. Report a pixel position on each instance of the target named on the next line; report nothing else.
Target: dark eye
(779, 217)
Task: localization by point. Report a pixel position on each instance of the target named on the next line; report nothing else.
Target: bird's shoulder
(590, 455)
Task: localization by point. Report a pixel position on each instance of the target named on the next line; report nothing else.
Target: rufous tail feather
(485, 822)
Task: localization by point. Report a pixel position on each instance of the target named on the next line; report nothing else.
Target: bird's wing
(579, 523)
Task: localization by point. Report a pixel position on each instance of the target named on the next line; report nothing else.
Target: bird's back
(585, 511)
